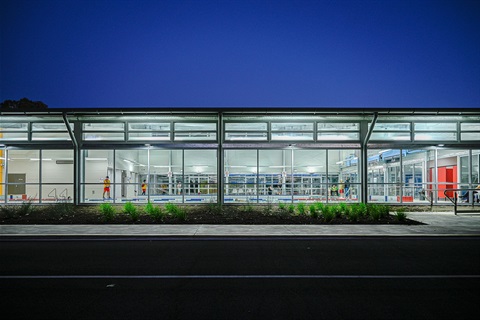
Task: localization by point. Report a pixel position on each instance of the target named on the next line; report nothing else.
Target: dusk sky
(139, 53)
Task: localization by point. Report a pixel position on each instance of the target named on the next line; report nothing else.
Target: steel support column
(364, 157)
(220, 160)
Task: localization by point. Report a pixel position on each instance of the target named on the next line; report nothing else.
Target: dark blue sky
(241, 53)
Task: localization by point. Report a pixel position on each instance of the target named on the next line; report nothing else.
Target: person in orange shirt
(106, 187)
(144, 187)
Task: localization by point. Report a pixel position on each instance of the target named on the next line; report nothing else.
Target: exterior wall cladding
(232, 155)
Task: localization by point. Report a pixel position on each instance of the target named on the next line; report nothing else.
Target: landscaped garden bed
(300, 213)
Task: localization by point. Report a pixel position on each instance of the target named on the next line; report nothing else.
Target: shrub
(215, 208)
(374, 211)
(328, 213)
(313, 211)
(343, 208)
(384, 211)
(291, 208)
(336, 210)
(352, 215)
(171, 208)
(25, 208)
(181, 214)
(130, 209)
(282, 209)
(401, 214)
(320, 206)
(248, 207)
(268, 209)
(177, 212)
(107, 210)
(61, 209)
(360, 209)
(301, 208)
(155, 212)
(8, 211)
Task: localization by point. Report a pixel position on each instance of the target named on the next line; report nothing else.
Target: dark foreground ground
(240, 278)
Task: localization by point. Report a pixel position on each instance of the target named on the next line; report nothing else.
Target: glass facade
(237, 157)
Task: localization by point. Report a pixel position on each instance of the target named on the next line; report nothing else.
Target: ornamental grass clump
(328, 213)
(268, 209)
(319, 206)
(176, 211)
(301, 208)
(384, 211)
(374, 211)
(313, 211)
(291, 209)
(343, 208)
(282, 209)
(130, 209)
(107, 210)
(401, 214)
(61, 209)
(336, 210)
(154, 211)
(24, 209)
(360, 209)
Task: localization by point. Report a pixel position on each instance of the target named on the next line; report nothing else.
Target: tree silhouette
(22, 104)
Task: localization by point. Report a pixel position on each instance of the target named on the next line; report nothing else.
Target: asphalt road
(240, 278)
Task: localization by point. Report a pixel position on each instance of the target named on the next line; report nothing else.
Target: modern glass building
(238, 155)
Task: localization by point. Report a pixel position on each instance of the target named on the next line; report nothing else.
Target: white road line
(248, 276)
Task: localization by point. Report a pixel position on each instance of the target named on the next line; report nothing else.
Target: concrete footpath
(436, 224)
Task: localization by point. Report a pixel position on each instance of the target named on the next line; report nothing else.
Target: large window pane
(13, 126)
(325, 126)
(289, 126)
(95, 126)
(195, 136)
(150, 136)
(292, 136)
(343, 177)
(191, 126)
(16, 136)
(435, 126)
(246, 136)
(436, 136)
(246, 126)
(275, 176)
(310, 175)
(60, 126)
(384, 183)
(337, 136)
(399, 136)
(416, 181)
(149, 126)
(200, 172)
(113, 136)
(97, 165)
(240, 176)
(130, 168)
(391, 126)
(23, 175)
(57, 175)
(165, 182)
(50, 136)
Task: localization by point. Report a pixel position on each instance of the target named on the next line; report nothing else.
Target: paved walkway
(437, 223)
